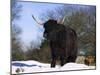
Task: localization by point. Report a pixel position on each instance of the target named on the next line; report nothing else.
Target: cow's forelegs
(53, 62)
(62, 61)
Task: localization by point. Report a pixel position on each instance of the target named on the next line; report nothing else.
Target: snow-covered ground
(35, 66)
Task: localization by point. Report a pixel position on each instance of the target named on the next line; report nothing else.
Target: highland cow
(62, 40)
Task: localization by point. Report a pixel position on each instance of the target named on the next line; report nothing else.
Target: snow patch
(32, 66)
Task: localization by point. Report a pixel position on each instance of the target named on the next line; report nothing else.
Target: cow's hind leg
(62, 60)
(71, 59)
(53, 62)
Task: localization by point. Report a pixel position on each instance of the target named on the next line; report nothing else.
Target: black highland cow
(62, 40)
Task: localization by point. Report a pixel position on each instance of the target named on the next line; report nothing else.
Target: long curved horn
(63, 19)
(37, 21)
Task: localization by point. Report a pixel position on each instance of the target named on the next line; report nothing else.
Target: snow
(32, 66)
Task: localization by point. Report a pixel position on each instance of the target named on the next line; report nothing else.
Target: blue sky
(31, 31)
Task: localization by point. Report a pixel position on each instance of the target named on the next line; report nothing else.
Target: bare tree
(15, 32)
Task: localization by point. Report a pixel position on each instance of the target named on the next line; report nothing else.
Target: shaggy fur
(63, 42)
